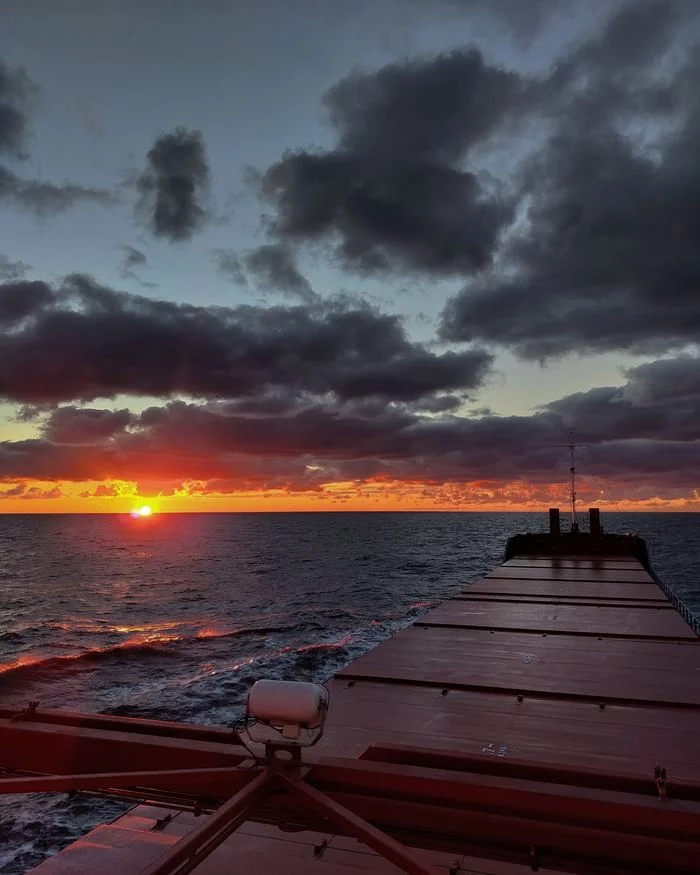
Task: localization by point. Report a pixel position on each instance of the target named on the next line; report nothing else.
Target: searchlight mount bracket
(294, 711)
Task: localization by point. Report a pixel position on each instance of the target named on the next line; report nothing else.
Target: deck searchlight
(295, 710)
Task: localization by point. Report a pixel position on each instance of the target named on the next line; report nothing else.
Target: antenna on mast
(572, 469)
(572, 446)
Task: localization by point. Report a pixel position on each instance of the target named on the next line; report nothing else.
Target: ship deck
(517, 726)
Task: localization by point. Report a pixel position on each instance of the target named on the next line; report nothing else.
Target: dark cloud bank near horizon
(591, 245)
(299, 393)
(81, 340)
(283, 438)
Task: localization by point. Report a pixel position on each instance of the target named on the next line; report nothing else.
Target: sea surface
(174, 616)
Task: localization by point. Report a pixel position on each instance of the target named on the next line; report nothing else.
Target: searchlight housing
(295, 710)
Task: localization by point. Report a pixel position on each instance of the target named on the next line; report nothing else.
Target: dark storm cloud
(81, 341)
(672, 379)
(85, 425)
(607, 258)
(21, 299)
(394, 192)
(43, 460)
(11, 270)
(175, 184)
(659, 401)
(275, 268)
(15, 90)
(395, 441)
(649, 446)
(635, 34)
(195, 441)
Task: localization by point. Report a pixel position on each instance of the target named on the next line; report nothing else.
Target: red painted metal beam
(552, 803)
(169, 729)
(55, 749)
(572, 846)
(189, 852)
(374, 838)
(433, 758)
(224, 780)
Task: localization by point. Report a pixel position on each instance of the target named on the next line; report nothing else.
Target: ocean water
(175, 616)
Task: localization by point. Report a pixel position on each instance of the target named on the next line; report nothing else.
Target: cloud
(132, 259)
(81, 340)
(666, 380)
(34, 492)
(10, 270)
(15, 91)
(21, 299)
(634, 34)
(174, 186)
(275, 268)
(13, 491)
(394, 192)
(230, 265)
(319, 442)
(524, 20)
(638, 445)
(48, 198)
(102, 490)
(81, 425)
(660, 401)
(41, 197)
(605, 257)
(23, 491)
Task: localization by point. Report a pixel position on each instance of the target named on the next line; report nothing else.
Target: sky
(367, 255)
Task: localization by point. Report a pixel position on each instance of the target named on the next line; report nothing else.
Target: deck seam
(525, 692)
(565, 579)
(649, 604)
(671, 639)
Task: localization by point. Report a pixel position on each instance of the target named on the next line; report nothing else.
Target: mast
(572, 469)
(572, 446)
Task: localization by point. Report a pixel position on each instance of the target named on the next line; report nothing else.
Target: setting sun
(142, 511)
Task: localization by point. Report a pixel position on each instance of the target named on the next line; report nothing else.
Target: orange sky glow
(374, 495)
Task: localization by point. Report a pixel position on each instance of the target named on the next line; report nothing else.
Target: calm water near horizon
(175, 616)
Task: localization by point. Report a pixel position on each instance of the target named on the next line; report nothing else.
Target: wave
(316, 661)
(142, 646)
(29, 664)
(282, 659)
(242, 633)
(165, 638)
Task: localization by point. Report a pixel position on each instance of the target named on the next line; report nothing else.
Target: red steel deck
(516, 726)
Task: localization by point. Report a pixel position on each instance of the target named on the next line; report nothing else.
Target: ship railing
(690, 618)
